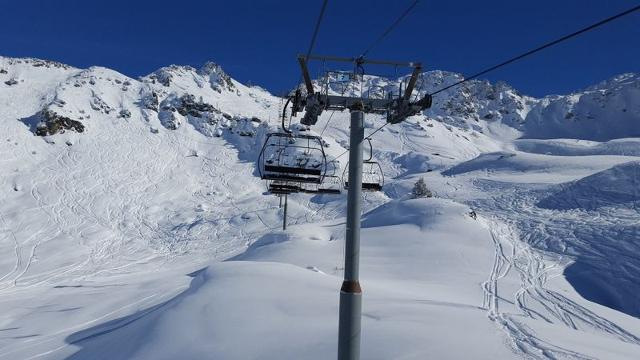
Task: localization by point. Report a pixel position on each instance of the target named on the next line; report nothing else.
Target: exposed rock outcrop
(52, 123)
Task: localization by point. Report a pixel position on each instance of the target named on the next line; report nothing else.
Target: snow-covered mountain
(605, 111)
(133, 225)
(78, 100)
(176, 95)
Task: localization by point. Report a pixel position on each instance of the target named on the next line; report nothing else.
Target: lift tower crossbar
(396, 108)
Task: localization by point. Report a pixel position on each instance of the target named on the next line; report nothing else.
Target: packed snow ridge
(133, 223)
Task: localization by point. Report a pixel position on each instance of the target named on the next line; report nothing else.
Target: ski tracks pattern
(534, 300)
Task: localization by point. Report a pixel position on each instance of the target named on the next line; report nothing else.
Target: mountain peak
(210, 67)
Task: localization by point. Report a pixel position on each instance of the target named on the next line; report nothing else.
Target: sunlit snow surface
(132, 240)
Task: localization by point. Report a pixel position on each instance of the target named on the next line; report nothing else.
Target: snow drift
(616, 186)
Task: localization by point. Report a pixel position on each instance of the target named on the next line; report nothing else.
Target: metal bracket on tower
(314, 105)
(402, 107)
(397, 109)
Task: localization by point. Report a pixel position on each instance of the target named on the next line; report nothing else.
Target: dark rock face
(98, 104)
(37, 63)
(163, 78)
(189, 106)
(150, 101)
(53, 123)
(11, 82)
(174, 110)
(47, 63)
(218, 79)
(168, 119)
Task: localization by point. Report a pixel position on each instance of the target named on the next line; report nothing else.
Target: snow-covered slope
(94, 211)
(409, 287)
(605, 111)
(611, 187)
(121, 199)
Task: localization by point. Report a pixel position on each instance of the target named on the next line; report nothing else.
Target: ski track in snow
(514, 254)
(533, 299)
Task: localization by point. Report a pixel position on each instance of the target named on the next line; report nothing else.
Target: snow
(611, 187)
(525, 167)
(603, 112)
(571, 147)
(149, 235)
(261, 292)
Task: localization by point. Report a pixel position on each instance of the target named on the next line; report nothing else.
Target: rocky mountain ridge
(174, 95)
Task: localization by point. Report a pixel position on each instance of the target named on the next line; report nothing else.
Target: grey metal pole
(280, 206)
(284, 218)
(351, 293)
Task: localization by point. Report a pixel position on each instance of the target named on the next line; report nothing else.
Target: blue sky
(257, 41)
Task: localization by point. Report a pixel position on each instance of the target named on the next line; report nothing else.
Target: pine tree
(420, 190)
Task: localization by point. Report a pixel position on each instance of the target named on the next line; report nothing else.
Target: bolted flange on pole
(351, 293)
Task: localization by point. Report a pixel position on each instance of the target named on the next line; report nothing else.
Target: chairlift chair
(372, 176)
(331, 183)
(282, 188)
(292, 158)
(293, 162)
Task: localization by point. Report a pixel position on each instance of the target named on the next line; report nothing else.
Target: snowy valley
(134, 224)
